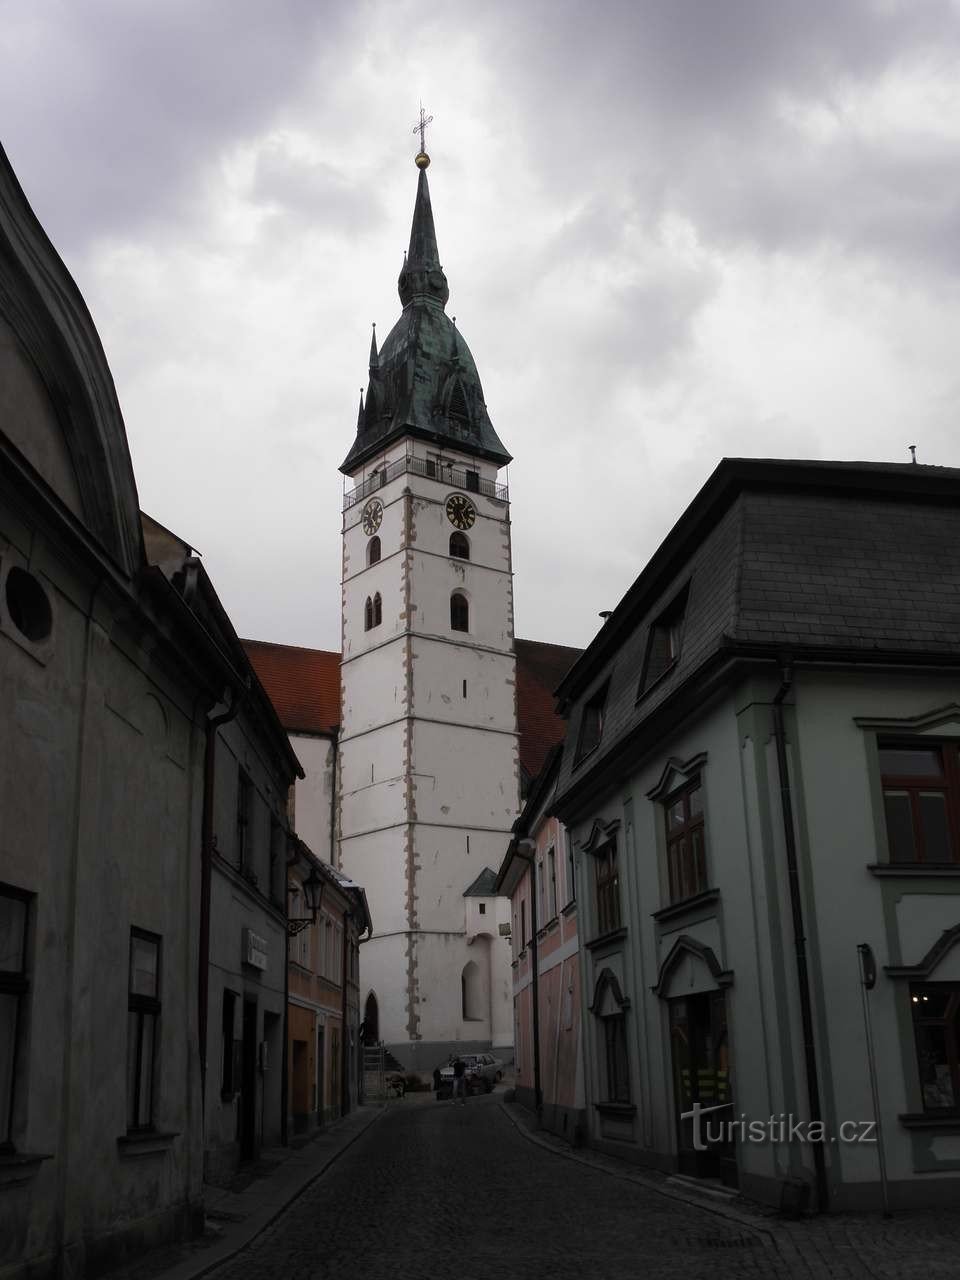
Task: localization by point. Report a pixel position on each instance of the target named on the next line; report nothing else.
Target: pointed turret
(423, 381)
(422, 276)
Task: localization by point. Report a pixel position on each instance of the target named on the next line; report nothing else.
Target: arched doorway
(371, 1020)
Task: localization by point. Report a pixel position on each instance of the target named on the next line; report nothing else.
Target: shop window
(14, 988)
(936, 1028)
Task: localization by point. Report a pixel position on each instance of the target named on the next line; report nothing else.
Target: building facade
(537, 876)
(760, 776)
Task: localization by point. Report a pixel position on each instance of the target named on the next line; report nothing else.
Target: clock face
(372, 515)
(460, 511)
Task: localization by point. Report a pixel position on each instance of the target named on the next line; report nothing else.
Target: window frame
(374, 550)
(143, 1006)
(460, 539)
(459, 613)
(16, 984)
(597, 703)
(668, 626)
(692, 825)
(616, 1058)
(946, 783)
(608, 903)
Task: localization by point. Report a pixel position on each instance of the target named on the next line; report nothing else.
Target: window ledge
(147, 1143)
(550, 927)
(623, 1109)
(607, 939)
(649, 688)
(19, 1166)
(948, 1121)
(915, 870)
(675, 909)
(569, 908)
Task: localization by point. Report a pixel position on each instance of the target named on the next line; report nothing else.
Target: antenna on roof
(605, 613)
(913, 452)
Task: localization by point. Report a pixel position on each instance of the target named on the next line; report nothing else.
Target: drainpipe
(206, 866)
(526, 849)
(344, 1036)
(799, 938)
(334, 747)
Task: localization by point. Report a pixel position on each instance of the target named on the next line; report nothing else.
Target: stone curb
(193, 1269)
(607, 1165)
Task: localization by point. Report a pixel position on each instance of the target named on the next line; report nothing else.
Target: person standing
(460, 1081)
(437, 1081)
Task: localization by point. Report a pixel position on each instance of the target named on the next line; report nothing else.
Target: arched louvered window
(377, 610)
(368, 614)
(460, 546)
(459, 612)
(373, 551)
(457, 405)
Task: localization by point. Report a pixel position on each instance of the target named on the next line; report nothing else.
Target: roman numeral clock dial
(460, 511)
(372, 515)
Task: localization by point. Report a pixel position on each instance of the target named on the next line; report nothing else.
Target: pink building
(537, 876)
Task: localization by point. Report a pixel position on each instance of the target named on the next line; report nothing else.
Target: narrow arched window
(460, 546)
(459, 613)
(377, 610)
(373, 551)
(368, 614)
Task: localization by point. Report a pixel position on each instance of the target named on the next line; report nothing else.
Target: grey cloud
(316, 193)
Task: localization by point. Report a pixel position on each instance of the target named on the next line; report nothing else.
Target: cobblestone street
(435, 1189)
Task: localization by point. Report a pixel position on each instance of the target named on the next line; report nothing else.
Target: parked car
(483, 1072)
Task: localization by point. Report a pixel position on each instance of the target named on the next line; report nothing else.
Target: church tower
(428, 765)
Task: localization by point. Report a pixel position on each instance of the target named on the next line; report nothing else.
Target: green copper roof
(423, 381)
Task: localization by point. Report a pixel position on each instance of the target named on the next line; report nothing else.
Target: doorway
(300, 1072)
(371, 1021)
(700, 1049)
(248, 1082)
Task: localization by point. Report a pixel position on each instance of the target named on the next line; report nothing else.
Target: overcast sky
(674, 230)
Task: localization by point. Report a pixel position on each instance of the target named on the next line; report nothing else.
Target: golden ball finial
(422, 160)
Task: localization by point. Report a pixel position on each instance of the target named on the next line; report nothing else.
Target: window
(936, 1027)
(482, 908)
(459, 612)
(460, 546)
(229, 1075)
(244, 796)
(373, 550)
(14, 908)
(615, 1055)
(551, 875)
(276, 862)
(523, 924)
(372, 612)
(591, 724)
(608, 888)
(571, 874)
(472, 484)
(686, 864)
(921, 800)
(143, 1018)
(663, 644)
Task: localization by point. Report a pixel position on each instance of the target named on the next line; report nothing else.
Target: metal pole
(868, 976)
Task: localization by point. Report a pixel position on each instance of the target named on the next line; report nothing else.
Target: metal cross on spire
(421, 128)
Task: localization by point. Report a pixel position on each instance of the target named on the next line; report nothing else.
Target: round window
(27, 605)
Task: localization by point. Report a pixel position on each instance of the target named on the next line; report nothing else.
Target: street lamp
(313, 895)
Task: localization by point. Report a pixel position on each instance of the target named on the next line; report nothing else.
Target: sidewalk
(237, 1215)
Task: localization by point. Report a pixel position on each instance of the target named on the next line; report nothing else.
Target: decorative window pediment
(601, 833)
(608, 999)
(676, 774)
(689, 947)
(925, 968)
(942, 720)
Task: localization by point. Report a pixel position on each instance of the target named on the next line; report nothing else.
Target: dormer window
(663, 644)
(460, 546)
(591, 723)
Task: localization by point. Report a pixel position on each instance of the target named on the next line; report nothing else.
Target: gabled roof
(303, 684)
(485, 885)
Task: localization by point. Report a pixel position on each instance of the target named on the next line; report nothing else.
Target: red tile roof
(304, 686)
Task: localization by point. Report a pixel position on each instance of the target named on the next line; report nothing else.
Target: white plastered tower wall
(429, 770)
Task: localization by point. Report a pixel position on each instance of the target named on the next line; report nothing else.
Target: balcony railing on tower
(443, 472)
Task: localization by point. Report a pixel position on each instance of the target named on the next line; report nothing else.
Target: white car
(483, 1071)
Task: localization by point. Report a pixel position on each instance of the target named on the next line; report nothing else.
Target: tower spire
(374, 358)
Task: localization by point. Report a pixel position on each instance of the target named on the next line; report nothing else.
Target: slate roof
(304, 686)
(485, 885)
(839, 561)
